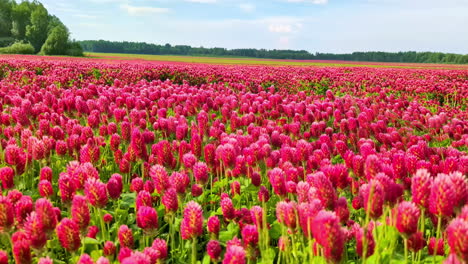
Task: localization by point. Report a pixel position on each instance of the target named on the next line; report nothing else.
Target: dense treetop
(167, 49)
(27, 27)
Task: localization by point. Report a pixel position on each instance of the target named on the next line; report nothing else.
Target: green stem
(194, 251)
(405, 241)
(103, 225)
(439, 227)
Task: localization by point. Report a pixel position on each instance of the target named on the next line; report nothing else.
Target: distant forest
(146, 48)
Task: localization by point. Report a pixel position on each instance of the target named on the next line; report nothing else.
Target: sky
(335, 26)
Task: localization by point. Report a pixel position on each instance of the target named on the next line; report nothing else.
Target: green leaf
(275, 230)
(206, 259)
(90, 241)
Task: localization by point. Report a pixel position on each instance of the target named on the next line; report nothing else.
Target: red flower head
(161, 246)
(160, 178)
(256, 213)
(66, 187)
(278, 181)
(147, 219)
(372, 166)
(114, 186)
(189, 160)
(283, 243)
(45, 188)
(192, 223)
(136, 185)
(45, 260)
(323, 189)
(457, 237)
(213, 248)
(416, 242)
(460, 183)
(61, 147)
(453, 259)
(464, 213)
(124, 253)
(96, 192)
(235, 188)
(337, 174)
(328, 233)
(143, 199)
(307, 213)
(22, 250)
(250, 235)
(92, 231)
(227, 208)
(213, 225)
(421, 184)
(179, 181)
(80, 212)
(115, 142)
(372, 196)
(109, 248)
(7, 213)
(286, 214)
(359, 235)
(407, 218)
(200, 172)
(209, 152)
(137, 258)
(23, 207)
(46, 174)
(45, 211)
(436, 246)
(442, 197)
(6, 177)
(35, 231)
(4, 257)
(197, 190)
(125, 236)
(341, 209)
(169, 200)
(68, 233)
(263, 194)
(85, 259)
(234, 255)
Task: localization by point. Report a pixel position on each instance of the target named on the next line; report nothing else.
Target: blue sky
(313, 25)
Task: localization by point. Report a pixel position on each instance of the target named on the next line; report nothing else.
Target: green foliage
(74, 49)
(36, 32)
(29, 21)
(20, 18)
(5, 21)
(18, 48)
(167, 49)
(57, 42)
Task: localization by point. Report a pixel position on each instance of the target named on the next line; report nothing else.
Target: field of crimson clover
(138, 162)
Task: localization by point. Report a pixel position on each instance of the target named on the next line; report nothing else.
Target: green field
(256, 61)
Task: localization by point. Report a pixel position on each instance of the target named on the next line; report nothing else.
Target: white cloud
(280, 28)
(317, 2)
(143, 10)
(202, 1)
(247, 7)
(283, 24)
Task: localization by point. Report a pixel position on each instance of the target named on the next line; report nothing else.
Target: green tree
(57, 41)
(20, 17)
(5, 18)
(36, 31)
(53, 22)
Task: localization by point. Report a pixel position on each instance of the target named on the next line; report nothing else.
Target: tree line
(167, 49)
(27, 27)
